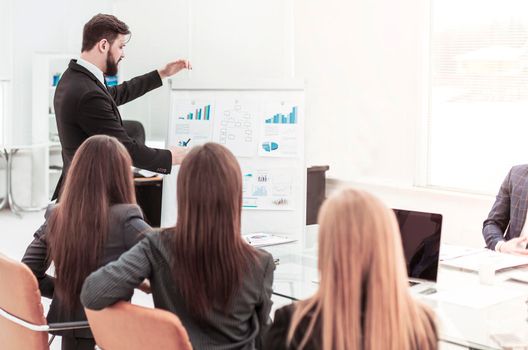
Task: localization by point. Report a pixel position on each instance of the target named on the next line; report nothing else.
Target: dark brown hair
(102, 26)
(99, 176)
(210, 257)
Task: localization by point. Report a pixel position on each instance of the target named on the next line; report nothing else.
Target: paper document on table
(477, 296)
(146, 173)
(519, 275)
(266, 239)
(510, 340)
(448, 251)
(499, 261)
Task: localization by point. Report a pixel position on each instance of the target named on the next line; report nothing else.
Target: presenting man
(85, 106)
(505, 230)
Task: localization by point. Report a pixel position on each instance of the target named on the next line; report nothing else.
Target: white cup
(487, 273)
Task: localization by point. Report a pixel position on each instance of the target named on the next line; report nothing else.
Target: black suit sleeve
(135, 227)
(116, 281)
(498, 219)
(277, 335)
(97, 116)
(36, 259)
(265, 303)
(134, 88)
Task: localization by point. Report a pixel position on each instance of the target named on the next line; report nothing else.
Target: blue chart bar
(291, 118)
(199, 114)
(207, 111)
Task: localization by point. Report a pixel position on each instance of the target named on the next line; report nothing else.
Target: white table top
(469, 312)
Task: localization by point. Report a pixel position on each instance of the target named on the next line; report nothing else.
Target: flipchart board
(263, 125)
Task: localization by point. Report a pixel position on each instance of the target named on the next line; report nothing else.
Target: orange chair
(124, 326)
(22, 321)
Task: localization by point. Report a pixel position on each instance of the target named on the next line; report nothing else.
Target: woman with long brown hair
(363, 301)
(201, 269)
(96, 220)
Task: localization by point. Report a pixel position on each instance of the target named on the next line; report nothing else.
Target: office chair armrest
(63, 326)
(44, 327)
(285, 296)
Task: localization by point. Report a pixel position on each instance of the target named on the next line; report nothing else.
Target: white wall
(36, 26)
(5, 38)
(463, 214)
(6, 67)
(43, 26)
(224, 40)
(363, 63)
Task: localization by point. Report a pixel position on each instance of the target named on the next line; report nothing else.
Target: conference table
(469, 313)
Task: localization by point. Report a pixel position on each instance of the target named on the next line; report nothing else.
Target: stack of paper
(520, 275)
(266, 239)
(478, 296)
(448, 251)
(498, 261)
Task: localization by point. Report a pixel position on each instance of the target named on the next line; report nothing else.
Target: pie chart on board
(270, 146)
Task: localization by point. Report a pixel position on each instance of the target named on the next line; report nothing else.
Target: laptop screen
(420, 235)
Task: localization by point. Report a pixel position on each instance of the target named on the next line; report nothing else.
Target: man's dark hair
(102, 26)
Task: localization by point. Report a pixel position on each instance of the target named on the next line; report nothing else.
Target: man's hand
(174, 67)
(515, 246)
(178, 153)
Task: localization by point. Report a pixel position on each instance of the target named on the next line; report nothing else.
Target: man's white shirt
(524, 233)
(92, 68)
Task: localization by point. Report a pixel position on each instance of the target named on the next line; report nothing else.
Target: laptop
(420, 236)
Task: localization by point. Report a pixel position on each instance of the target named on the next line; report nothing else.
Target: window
(478, 114)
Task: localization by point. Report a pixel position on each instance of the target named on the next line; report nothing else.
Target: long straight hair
(363, 300)
(99, 176)
(209, 254)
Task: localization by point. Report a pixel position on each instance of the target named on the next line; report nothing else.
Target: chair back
(20, 296)
(124, 326)
(135, 130)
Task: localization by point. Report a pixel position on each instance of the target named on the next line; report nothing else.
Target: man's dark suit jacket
(85, 107)
(507, 216)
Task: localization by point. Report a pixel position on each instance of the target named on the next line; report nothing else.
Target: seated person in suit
(202, 269)
(96, 221)
(363, 301)
(505, 229)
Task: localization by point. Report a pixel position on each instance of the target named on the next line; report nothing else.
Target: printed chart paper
(279, 130)
(268, 189)
(235, 126)
(192, 124)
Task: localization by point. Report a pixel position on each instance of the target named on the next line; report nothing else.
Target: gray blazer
(240, 328)
(507, 216)
(126, 228)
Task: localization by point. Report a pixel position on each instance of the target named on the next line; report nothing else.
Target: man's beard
(111, 65)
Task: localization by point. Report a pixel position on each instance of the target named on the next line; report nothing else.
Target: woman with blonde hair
(363, 301)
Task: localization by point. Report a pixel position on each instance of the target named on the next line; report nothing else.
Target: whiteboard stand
(262, 123)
